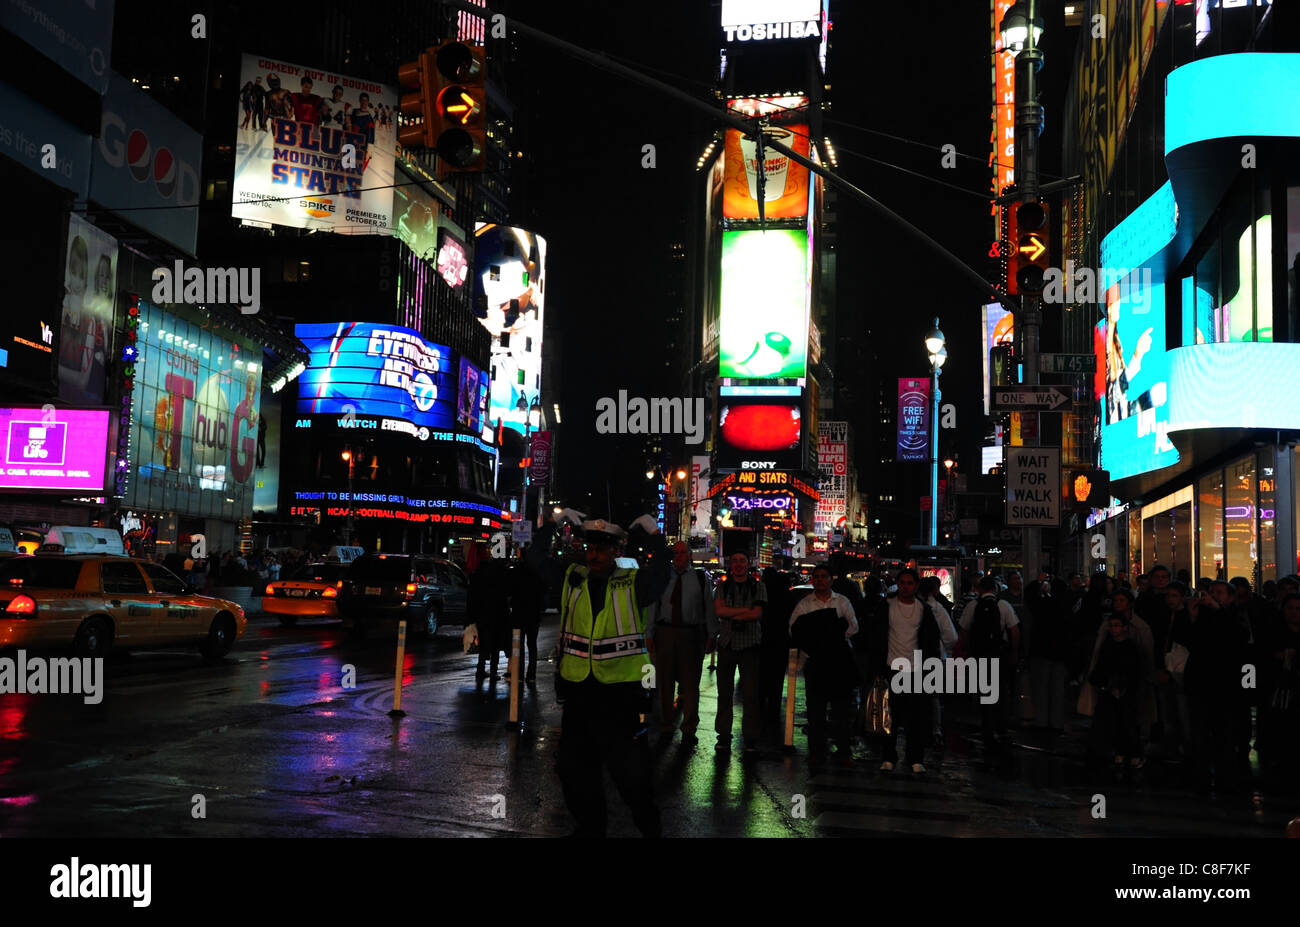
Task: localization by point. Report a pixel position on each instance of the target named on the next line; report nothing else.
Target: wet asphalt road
(276, 747)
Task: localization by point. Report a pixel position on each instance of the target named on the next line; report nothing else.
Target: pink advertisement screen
(54, 449)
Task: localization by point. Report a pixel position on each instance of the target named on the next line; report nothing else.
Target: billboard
(147, 164)
(266, 476)
(75, 34)
(786, 182)
(1131, 385)
(510, 291)
(453, 260)
(539, 471)
(293, 163)
(998, 329)
(194, 418)
(760, 20)
(702, 513)
(375, 369)
(52, 448)
(1003, 156)
(89, 291)
(833, 466)
(472, 397)
(760, 435)
(765, 304)
(415, 217)
(913, 419)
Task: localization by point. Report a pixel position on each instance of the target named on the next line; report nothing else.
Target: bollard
(792, 674)
(397, 680)
(514, 678)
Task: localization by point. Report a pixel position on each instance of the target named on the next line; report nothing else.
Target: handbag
(878, 718)
(1087, 699)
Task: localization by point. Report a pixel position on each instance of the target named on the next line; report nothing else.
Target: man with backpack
(677, 639)
(992, 631)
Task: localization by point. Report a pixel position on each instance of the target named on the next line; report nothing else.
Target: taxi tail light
(21, 605)
(270, 590)
(411, 588)
(330, 593)
(339, 584)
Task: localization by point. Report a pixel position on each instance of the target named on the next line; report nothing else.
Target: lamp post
(350, 458)
(935, 346)
(1021, 29)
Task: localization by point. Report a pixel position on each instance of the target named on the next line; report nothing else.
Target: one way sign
(1029, 399)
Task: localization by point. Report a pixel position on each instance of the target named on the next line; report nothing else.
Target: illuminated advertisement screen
(472, 396)
(1132, 381)
(415, 216)
(785, 192)
(420, 510)
(54, 449)
(913, 419)
(760, 435)
(314, 149)
(762, 20)
(363, 369)
(195, 414)
(453, 262)
(999, 328)
(85, 336)
(510, 290)
(765, 302)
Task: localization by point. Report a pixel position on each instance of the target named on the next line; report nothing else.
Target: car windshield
(319, 573)
(386, 569)
(39, 573)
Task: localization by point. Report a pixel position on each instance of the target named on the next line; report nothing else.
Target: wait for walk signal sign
(1033, 486)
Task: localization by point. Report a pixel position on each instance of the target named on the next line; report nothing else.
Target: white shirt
(843, 607)
(1006, 613)
(905, 624)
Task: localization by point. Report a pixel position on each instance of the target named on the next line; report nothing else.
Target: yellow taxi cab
(311, 592)
(96, 602)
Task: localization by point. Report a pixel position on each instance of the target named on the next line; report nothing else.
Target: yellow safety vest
(612, 645)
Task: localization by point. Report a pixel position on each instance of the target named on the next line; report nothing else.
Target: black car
(386, 588)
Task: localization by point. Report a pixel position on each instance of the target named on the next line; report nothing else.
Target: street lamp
(349, 458)
(1015, 28)
(935, 346)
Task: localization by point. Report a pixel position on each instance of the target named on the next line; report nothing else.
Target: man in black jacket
(901, 625)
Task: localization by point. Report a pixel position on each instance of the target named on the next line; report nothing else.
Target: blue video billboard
(376, 369)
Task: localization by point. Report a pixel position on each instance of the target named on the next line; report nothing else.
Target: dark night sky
(609, 221)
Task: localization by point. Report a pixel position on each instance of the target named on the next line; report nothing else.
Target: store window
(1209, 507)
(1239, 518)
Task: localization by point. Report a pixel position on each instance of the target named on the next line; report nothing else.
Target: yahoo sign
(60, 449)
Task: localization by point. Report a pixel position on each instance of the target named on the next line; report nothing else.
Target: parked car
(386, 588)
(101, 601)
(311, 592)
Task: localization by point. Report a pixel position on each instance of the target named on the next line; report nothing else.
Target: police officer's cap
(599, 531)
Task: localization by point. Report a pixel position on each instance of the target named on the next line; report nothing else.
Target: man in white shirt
(902, 625)
(830, 674)
(678, 635)
(1004, 646)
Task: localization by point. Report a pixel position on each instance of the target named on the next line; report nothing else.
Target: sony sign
(759, 20)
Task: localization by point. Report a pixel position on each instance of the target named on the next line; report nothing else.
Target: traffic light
(1086, 490)
(1031, 250)
(448, 90)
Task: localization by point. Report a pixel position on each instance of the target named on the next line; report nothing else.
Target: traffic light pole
(1029, 123)
(748, 128)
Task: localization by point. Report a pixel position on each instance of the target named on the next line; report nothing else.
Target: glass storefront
(1239, 518)
(1209, 506)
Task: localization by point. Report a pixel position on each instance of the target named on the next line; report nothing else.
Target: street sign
(1067, 363)
(1029, 399)
(522, 531)
(1033, 486)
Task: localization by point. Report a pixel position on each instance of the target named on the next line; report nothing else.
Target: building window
(1239, 517)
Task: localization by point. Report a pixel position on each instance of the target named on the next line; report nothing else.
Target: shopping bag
(469, 640)
(878, 720)
(1087, 699)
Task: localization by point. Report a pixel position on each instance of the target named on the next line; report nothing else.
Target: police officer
(601, 678)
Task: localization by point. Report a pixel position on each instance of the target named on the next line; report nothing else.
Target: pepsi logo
(132, 148)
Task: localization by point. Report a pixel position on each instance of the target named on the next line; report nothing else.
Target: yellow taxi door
(136, 611)
(180, 619)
